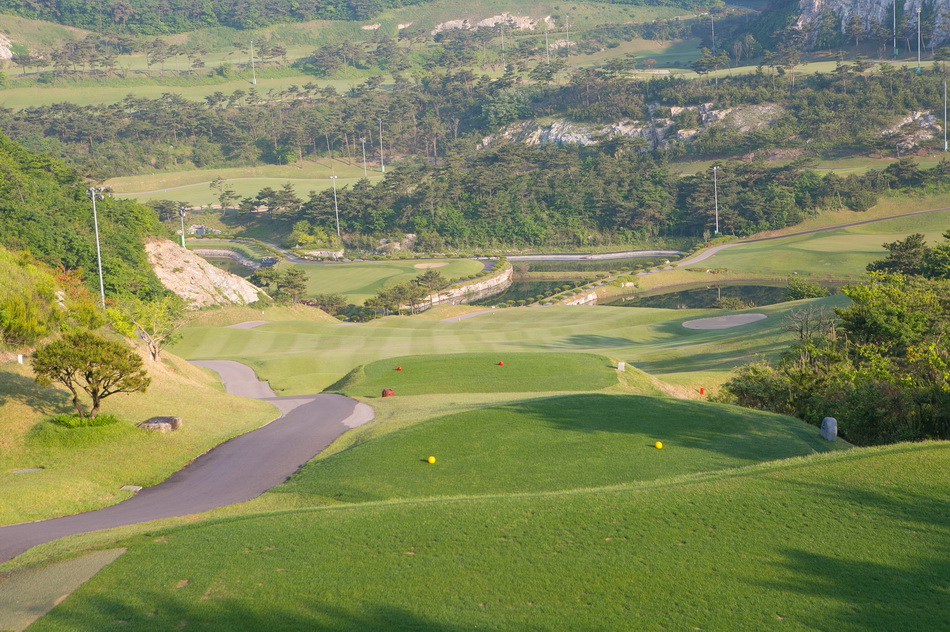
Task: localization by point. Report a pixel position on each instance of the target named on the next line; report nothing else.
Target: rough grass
(547, 444)
(481, 373)
(83, 468)
(850, 541)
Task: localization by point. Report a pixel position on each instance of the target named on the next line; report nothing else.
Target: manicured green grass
(548, 444)
(850, 541)
(250, 250)
(359, 281)
(837, 254)
(299, 357)
(481, 373)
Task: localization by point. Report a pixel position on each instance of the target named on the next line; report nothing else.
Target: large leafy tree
(85, 362)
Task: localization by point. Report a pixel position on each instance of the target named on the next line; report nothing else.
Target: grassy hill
(850, 541)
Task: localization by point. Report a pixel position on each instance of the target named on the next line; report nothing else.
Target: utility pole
(253, 71)
(547, 48)
(712, 26)
(895, 30)
(336, 209)
(716, 195)
(98, 193)
(363, 141)
(944, 116)
(918, 40)
(382, 166)
(181, 212)
(567, 21)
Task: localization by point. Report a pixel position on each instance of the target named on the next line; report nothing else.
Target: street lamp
(363, 141)
(944, 116)
(895, 29)
(181, 212)
(918, 40)
(336, 209)
(253, 72)
(716, 196)
(98, 193)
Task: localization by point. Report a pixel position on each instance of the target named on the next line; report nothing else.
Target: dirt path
(233, 472)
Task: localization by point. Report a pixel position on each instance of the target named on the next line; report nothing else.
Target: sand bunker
(723, 322)
(423, 266)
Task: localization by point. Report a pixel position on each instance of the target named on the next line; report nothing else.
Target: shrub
(71, 420)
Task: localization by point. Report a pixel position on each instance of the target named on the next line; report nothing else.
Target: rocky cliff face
(488, 286)
(194, 279)
(874, 13)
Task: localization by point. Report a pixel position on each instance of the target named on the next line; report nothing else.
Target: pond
(521, 267)
(522, 290)
(230, 265)
(704, 297)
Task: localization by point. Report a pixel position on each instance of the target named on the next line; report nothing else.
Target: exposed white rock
(6, 50)
(911, 130)
(871, 13)
(404, 26)
(194, 279)
(514, 21)
(371, 27)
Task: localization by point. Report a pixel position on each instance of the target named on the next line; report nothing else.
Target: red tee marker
(501, 364)
(399, 368)
(702, 391)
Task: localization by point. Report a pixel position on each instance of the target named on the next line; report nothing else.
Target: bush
(71, 420)
(799, 289)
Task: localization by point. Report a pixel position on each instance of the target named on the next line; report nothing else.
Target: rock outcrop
(487, 286)
(873, 14)
(195, 280)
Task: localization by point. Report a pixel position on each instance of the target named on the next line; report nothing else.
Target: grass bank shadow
(43, 399)
(101, 611)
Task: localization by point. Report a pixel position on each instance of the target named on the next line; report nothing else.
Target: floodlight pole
(944, 116)
(896, 53)
(336, 209)
(547, 47)
(567, 21)
(363, 141)
(716, 195)
(98, 193)
(253, 71)
(382, 166)
(181, 212)
(712, 26)
(918, 40)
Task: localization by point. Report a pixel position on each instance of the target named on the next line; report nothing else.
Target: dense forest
(175, 16)
(45, 211)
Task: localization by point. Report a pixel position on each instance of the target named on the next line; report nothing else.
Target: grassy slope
(547, 444)
(84, 468)
(851, 541)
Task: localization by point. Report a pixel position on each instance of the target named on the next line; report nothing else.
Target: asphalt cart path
(233, 472)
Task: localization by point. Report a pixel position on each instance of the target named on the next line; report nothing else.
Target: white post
(98, 193)
(19, 358)
(918, 40)
(363, 141)
(895, 29)
(336, 209)
(716, 196)
(253, 72)
(382, 166)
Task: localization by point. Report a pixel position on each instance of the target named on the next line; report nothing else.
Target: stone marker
(131, 488)
(388, 392)
(19, 358)
(161, 424)
(621, 366)
(829, 428)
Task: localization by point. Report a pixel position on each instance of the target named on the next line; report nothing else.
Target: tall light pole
(918, 40)
(336, 209)
(716, 195)
(944, 116)
(712, 27)
(98, 193)
(363, 141)
(181, 212)
(895, 30)
(547, 47)
(253, 72)
(382, 166)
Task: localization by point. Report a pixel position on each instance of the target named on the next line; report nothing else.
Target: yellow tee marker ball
(658, 445)
(431, 460)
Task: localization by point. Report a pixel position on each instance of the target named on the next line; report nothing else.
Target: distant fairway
(359, 281)
(567, 442)
(303, 357)
(854, 541)
(482, 373)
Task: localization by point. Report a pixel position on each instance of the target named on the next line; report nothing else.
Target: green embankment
(850, 541)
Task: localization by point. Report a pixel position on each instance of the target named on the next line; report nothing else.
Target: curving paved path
(235, 471)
